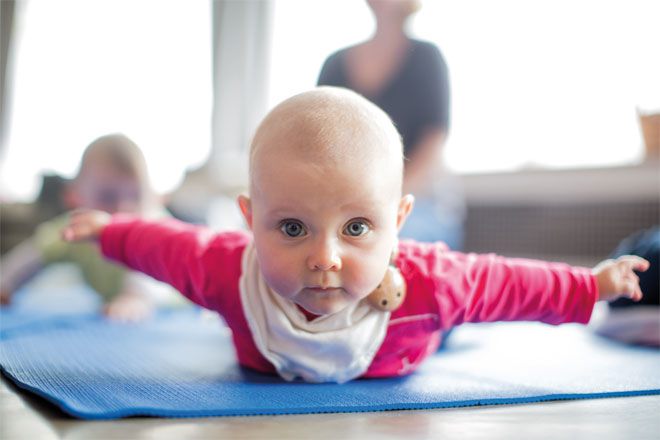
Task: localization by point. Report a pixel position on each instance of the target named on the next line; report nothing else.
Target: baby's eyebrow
(359, 210)
(283, 213)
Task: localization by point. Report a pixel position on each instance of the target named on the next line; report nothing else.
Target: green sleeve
(48, 242)
(105, 277)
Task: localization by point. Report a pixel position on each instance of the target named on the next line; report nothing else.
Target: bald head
(117, 152)
(327, 127)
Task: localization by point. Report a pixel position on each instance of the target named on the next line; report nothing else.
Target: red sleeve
(198, 262)
(484, 288)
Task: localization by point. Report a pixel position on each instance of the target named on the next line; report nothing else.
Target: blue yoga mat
(182, 365)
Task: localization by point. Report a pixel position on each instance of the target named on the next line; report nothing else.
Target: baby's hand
(85, 224)
(616, 278)
(5, 297)
(129, 307)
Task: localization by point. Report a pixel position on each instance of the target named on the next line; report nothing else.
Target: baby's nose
(325, 256)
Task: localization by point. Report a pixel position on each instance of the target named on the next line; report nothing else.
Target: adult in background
(408, 79)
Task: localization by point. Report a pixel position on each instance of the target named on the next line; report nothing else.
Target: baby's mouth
(323, 290)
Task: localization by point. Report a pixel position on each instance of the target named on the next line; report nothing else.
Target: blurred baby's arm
(29, 257)
(18, 266)
(617, 278)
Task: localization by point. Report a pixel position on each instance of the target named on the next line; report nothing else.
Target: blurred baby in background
(112, 177)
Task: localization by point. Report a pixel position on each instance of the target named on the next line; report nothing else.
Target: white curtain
(7, 8)
(241, 53)
(82, 69)
(241, 33)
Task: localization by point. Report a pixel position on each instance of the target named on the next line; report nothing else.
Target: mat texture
(181, 365)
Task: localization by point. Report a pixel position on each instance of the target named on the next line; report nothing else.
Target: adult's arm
(431, 92)
(420, 165)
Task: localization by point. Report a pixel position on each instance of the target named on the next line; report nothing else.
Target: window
(553, 84)
(87, 68)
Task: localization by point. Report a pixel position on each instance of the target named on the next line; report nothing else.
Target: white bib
(332, 348)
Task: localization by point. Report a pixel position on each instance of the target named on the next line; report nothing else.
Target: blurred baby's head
(325, 205)
(112, 177)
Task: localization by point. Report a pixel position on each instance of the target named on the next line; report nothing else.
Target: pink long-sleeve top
(445, 288)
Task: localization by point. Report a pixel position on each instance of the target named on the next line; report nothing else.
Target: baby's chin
(322, 311)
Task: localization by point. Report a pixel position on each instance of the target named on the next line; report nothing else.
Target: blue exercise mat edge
(155, 412)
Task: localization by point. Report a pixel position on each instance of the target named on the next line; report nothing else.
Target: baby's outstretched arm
(617, 278)
(129, 306)
(188, 257)
(85, 224)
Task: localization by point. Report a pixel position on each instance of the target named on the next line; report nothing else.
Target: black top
(416, 97)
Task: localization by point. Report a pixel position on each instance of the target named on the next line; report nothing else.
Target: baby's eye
(292, 229)
(356, 228)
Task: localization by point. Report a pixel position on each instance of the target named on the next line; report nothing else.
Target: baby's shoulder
(230, 240)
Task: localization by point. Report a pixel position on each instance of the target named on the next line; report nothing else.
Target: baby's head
(325, 205)
(112, 177)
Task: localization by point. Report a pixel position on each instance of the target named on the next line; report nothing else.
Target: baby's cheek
(280, 276)
(365, 276)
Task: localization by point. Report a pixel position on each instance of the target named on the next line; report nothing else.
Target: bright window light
(541, 84)
(88, 68)
(304, 34)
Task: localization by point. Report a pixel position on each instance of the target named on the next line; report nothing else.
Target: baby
(317, 289)
(112, 177)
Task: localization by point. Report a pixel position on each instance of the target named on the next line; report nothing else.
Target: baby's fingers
(637, 294)
(5, 298)
(634, 262)
(630, 288)
(85, 225)
(77, 232)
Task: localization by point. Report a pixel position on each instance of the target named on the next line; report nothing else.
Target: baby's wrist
(603, 287)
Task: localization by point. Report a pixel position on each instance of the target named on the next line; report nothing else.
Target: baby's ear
(405, 208)
(245, 205)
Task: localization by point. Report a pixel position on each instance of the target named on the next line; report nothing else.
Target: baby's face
(324, 234)
(101, 187)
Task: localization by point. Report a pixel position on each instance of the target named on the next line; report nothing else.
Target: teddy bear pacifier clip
(391, 292)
